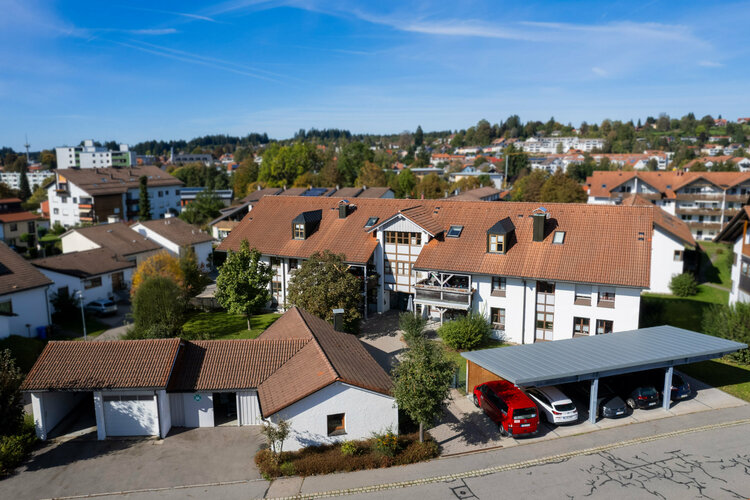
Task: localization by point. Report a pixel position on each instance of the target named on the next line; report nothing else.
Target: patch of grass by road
(726, 375)
(456, 357)
(223, 325)
(25, 350)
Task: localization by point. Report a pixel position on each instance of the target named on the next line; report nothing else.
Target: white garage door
(128, 415)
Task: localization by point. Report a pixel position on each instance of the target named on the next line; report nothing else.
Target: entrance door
(225, 408)
(545, 309)
(118, 282)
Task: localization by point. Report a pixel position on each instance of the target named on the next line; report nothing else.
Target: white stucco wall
(735, 294)
(197, 413)
(74, 284)
(365, 412)
(663, 265)
(51, 407)
(29, 307)
(73, 241)
(165, 413)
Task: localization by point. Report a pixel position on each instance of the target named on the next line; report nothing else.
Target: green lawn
(456, 357)
(24, 350)
(725, 375)
(720, 270)
(683, 312)
(223, 325)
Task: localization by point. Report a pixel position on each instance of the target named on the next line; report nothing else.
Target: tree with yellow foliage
(163, 265)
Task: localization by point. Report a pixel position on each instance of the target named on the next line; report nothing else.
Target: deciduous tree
(422, 383)
(205, 207)
(242, 284)
(11, 401)
(371, 175)
(144, 203)
(323, 283)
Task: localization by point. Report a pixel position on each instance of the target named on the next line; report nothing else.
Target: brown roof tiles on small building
(84, 264)
(111, 180)
(177, 231)
(119, 364)
(17, 274)
(117, 237)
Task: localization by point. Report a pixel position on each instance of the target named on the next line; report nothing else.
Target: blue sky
(134, 70)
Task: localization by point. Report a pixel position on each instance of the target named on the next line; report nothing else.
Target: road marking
(508, 467)
(434, 479)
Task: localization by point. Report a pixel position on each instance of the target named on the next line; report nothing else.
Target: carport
(595, 357)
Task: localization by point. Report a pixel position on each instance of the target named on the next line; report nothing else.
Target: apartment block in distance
(737, 233)
(91, 156)
(537, 272)
(705, 201)
(98, 194)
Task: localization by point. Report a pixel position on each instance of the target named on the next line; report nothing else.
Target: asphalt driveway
(85, 466)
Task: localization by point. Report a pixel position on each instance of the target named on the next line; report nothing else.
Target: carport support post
(593, 397)
(101, 431)
(667, 394)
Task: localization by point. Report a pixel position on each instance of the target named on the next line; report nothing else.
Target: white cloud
(599, 71)
(710, 64)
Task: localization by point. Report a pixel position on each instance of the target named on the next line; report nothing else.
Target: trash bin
(41, 332)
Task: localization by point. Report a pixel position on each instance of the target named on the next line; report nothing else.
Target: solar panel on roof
(314, 192)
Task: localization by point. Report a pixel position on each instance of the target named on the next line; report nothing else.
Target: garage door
(128, 415)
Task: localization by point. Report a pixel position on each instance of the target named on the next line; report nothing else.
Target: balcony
(697, 211)
(443, 297)
(699, 196)
(704, 225)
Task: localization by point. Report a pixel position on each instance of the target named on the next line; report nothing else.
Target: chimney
(338, 320)
(343, 209)
(538, 226)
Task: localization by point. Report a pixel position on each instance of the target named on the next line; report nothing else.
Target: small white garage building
(322, 381)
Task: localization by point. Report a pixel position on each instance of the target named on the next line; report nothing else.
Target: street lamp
(79, 296)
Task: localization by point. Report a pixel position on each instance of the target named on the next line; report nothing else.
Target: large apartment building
(539, 273)
(91, 156)
(705, 201)
(737, 232)
(559, 144)
(95, 194)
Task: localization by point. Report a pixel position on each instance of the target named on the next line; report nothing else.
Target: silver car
(101, 307)
(554, 405)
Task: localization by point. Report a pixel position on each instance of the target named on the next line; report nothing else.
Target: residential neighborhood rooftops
(17, 274)
(111, 180)
(603, 244)
(117, 237)
(260, 193)
(177, 231)
(118, 364)
(296, 356)
(84, 264)
(601, 183)
(477, 194)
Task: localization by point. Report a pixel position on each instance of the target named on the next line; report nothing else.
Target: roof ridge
(317, 343)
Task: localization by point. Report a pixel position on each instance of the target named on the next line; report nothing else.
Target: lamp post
(79, 295)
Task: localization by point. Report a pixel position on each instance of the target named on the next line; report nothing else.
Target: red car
(512, 410)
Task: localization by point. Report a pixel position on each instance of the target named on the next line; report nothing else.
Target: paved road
(711, 464)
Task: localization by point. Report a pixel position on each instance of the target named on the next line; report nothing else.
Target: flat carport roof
(586, 358)
(594, 357)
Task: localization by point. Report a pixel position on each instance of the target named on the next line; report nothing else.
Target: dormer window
(498, 236)
(496, 243)
(299, 232)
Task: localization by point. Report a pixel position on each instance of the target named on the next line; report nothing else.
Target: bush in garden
(466, 332)
(385, 444)
(349, 448)
(413, 327)
(684, 285)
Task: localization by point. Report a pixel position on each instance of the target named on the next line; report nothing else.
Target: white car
(554, 405)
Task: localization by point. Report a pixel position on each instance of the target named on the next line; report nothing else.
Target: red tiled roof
(663, 219)
(118, 364)
(601, 244)
(177, 231)
(17, 217)
(601, 183)
(111, 180)
(84, 264)
(117, 237)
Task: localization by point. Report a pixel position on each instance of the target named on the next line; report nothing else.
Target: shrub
(349, 448)
(385, 444)
(730, 322)
(11, 402)
(15, 448)
(684, 285)
(467, 332)
(330, 458)
(287, 469)
(157, 309)
(412, 326)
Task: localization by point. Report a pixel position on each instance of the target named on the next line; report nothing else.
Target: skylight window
(454, 231)
(559, 238)
(371, 221)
